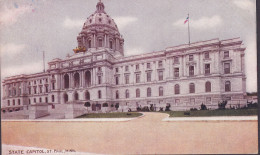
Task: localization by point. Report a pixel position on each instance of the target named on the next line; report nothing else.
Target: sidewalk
(219, 118)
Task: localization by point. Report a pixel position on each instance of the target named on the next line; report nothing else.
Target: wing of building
(183, 76)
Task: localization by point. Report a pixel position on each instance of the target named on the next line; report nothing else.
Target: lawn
(205, 113)
(111, 115)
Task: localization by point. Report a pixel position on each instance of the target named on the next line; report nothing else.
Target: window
(99, 94)
(29, 101)
(34, 100)
(99, 80)
(29, 89)
(207, 68)
(191, 70)
(226, 68)
(160, 91)
(40, 89)
(208, 86)
(87, 95)
(206, 55)
(99, 69)
(160, 64)
(34, 82)
(117, 94)
(99, 42)
(192, 88)
(52, 98)
(46, 89)
(66, 81)
(89, 43)
(137, 92)
(40, 100)
(160, 75)
(226, 54)
(137, 67)
(53, 86)
(177, 89)
(116, 70)
(148, 65)
(190, 57)
(126, 68)
(127, 93)
(34, 90)
(117, 80)
(46, 99)
(126, 79)
(176, 72)
(111, 44)
(192, 101)
(13, 102)
(29, 83)
(176, 60)
(149, 92)
(208, 100)
(227, 86)
(137, 78)
(76, 96)
(8, 102)
(149, 76)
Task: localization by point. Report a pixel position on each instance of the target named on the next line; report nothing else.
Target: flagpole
(189, 27)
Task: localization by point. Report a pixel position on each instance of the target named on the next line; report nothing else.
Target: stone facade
(183, 76)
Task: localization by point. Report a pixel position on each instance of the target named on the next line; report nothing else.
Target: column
(94, 41)
(105, 41)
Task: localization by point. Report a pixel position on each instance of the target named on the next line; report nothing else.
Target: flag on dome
(187, 19)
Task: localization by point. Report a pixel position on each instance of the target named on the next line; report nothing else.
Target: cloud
(9, 16)
(73, 23)
(133, 51)
(122, 22)
(22, 69)
(11, 49)
(244, 4)
(202, 23)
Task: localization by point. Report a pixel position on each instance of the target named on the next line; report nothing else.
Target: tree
(222, 105)
(203, 107)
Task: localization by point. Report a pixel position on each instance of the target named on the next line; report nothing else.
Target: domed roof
(100, 17)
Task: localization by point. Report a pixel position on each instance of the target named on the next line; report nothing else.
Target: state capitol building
(183, 76)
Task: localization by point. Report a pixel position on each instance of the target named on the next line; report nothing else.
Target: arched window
(127, 93)
(137, 92)
(66, 97)
(160, 91)
(76, 80)
(89, 43)
(99, 94)
(87, 95)
(149, 92)
(227, 86)
(87, 78)
(76, 96)
(208, 86)
(66, 81)
(100, 42)
(177, 89)
(111, 44)
(192, 88)
(117, 94)
(52, 98)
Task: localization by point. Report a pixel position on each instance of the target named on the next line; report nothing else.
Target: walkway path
(146, 135)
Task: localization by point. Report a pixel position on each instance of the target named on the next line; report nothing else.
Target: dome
(100, 18)
(100, 32)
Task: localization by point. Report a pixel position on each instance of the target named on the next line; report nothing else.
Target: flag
(187, 19)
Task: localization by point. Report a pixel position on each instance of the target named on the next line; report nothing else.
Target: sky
(28, 27)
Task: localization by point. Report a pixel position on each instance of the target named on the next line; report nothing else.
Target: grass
(206, 113)
(111, 115)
